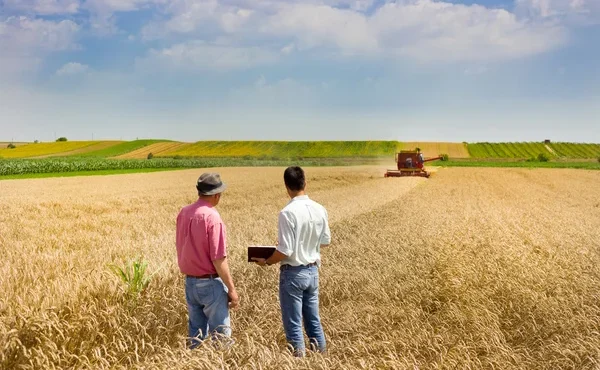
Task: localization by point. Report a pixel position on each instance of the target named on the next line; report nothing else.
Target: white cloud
(187, 16)
(44, 7)
(425, 30)
(27, 35)
(113, 6)
(435, 31)
(198, 56)
(572, 11)
(315, 26)
(25, 41)
(102, 12)
(72, 68)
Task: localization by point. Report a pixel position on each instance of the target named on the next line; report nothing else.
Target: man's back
(303, 228)
(200, 238)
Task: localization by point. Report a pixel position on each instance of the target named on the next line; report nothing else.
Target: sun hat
(209, 184)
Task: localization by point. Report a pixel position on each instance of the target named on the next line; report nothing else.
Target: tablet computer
(260, 251)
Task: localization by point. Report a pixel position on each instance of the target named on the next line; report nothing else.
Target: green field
(526, 150)
(53, 166)
(508, 150)
(587, 165)
(120, 149)
(85, 173)
(288, 149)
(570, 150)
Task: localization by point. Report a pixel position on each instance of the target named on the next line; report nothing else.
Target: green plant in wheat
(134, 277)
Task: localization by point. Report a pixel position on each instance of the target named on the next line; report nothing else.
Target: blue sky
(454, 70)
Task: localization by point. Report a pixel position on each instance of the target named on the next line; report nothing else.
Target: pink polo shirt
(200, 239)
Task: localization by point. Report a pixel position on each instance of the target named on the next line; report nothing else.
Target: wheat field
(470, 269)
(155, 149)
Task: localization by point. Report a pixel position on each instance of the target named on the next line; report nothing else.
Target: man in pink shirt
(202, 257)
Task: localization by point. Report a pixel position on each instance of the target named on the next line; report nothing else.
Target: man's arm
(222, 267)
(276, 257)
(218, 256)
(326, 237)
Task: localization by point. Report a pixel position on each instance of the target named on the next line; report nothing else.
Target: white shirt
(303, 228)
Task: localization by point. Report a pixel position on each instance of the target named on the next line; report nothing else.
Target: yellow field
(472, 268)
(155, 149)
(3, 145)
(433, 149)
(45, 149)
(86, 149)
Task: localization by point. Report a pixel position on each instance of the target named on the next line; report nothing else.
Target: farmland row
(102, 145)
(508, 150)
(533, 149)
(10, 167)
(570, 150)
(44, 149)
(287, 149)
(120, 149)
(298, 149)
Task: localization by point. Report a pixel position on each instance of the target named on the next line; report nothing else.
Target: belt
(207, 276)
(286, 266)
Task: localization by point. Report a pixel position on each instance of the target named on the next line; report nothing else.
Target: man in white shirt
(303, 229)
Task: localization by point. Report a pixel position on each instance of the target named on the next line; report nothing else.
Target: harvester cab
(410, 163)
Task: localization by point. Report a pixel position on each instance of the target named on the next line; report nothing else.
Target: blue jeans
(208, 309)
(299, 299)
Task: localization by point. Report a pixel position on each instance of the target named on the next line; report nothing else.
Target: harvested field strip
(99, 146)
(156, 149)
(43, 149)
(432, 149)
(120, 149)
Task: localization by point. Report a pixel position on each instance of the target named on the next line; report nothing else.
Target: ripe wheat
(472, 268)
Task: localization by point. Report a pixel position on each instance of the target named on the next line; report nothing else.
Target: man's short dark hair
(294, 178)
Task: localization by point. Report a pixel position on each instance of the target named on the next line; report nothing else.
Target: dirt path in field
(550, 149)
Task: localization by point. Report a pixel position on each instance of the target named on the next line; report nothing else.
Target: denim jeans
(208, 309)
(299, 300)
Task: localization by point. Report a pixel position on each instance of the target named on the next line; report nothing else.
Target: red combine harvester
(410, 164)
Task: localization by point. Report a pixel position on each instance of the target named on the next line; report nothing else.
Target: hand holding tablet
(260, 251)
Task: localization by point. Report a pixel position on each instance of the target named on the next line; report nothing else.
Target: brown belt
(207, 276)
